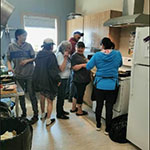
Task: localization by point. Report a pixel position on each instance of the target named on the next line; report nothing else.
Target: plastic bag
(118, 129)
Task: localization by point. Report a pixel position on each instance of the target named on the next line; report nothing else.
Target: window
(39, 28)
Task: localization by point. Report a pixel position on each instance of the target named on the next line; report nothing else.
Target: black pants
(109, 97)
(27, 83)
(61, 97)
(72, 87)
(80, 87)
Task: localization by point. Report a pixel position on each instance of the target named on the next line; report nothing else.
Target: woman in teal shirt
(107, 62)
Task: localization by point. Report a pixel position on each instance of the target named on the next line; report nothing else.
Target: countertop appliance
(138, 115)
(121, 105)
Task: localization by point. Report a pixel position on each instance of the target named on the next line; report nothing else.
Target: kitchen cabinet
(74, 25)
(94, 30)
(88, 93)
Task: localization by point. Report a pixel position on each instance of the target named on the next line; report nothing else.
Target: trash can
(24, 133)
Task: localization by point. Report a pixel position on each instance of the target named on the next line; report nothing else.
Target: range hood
(6, 11)
(132, 15)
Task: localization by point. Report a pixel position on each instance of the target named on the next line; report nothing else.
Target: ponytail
(107, 43)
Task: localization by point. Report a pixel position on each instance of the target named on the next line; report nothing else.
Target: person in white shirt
(62, 55)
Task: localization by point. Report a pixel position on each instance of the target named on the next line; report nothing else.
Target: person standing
(81, 78)
(64, 63)
(71, 89)
(22, 55)
(74, 40)
(46, 78)
(107, 62)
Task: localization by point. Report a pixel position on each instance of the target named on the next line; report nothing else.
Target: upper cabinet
(74, 25)
(94, 31)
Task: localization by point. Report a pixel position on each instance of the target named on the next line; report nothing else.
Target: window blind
(39, 22)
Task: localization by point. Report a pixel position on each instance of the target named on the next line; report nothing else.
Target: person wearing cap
(46, 78)
(74, 40)
(70, 90)
(22, 55)
(63, 59)
(81, 78)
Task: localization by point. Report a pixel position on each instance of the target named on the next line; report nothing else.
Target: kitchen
(88, 25)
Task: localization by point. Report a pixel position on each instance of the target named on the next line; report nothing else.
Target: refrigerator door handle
(132, 81)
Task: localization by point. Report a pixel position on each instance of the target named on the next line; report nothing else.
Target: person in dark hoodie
(22, 55)
(107, 62)
(46, 78)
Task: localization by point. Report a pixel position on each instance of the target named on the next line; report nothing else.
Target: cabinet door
(88, 93)
(74, 25)
(94, 30)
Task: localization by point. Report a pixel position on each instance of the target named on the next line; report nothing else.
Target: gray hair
(63, 46)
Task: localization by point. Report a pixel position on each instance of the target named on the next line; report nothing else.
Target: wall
(124, 41)
(57, 8)
(92, 6)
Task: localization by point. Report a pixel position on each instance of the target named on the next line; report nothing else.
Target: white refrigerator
(138, 113)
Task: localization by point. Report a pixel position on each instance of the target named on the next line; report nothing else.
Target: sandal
(72, 111)
(84, 113)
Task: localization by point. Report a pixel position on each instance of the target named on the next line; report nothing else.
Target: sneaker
(65, 113)
(43, 116)
(34, 119)
(106, 132)
(50, 121)
(98, 127)
(62, 117)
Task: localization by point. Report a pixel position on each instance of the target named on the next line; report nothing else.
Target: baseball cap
(77, 32)
(80, 45)
(47, 41)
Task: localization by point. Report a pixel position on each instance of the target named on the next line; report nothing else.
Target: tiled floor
(77, 133)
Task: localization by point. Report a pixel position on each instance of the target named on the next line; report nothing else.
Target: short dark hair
(19, 32)
(80, 45)
(108, 44)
